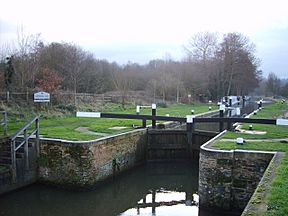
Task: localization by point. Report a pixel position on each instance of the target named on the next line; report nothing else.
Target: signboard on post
(41, 97)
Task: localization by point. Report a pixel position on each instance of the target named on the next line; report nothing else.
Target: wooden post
(221, 115)
(8, 96)
(154, 114)
(144, 123)
(27, 95)
(5, 122)
(26, 150)
(243, 101)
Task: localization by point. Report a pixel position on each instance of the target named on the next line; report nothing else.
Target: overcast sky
(141, 30)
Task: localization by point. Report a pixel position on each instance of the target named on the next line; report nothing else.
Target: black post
(154, 202)
(238, 100)
(230, 102)
(221, 115)
(144, 123)
(229, 124)
(189, 129)
(153, 114)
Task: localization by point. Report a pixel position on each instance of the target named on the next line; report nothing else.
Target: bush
(162, 105)
(69, 107)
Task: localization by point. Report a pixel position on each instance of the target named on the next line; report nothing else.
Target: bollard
(240, 141)
(153, 114)
(192, 112)
(258, 105)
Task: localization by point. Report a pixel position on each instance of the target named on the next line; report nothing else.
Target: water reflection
(166, 203)
(152, 189)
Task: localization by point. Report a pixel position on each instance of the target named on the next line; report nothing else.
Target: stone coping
(96, 140)
(257, 204)
(207, 147)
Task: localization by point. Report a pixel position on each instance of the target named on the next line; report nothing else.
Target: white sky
(141, 30)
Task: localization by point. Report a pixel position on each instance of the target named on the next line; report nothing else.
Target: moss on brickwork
(85, 164)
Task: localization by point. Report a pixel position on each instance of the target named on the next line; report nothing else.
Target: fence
(58, 97)
(24, 136)
(65, 98)
(4, 121)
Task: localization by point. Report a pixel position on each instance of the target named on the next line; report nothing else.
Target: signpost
(41, 97)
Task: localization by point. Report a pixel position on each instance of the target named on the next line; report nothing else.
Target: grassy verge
(63, 126)
(277, 198)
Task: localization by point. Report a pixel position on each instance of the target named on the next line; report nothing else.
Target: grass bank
(63, 126)
(277, 198)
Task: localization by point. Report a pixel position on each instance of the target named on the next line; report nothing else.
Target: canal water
(157, 189)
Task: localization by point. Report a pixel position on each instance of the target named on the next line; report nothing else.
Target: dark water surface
(152, 189)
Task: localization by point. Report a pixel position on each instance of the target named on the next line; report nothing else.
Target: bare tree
(202, 46)
(201, 50)
(26, 58)
(122, 83)
(273, 84)
(238, 59)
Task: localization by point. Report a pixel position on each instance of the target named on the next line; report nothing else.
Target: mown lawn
(277, 198)
(64, 127)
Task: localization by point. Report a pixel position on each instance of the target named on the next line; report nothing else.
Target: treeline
(213, 67)
(273, 86)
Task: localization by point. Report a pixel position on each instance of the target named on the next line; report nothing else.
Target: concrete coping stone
(206, 147)
(96, 140)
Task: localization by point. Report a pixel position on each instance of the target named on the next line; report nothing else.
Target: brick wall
(227, 179)
(84, 164)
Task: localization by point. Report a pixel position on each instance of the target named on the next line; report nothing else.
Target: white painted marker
(281, 121)
(89, 114)
(189, 118)
(222, 107)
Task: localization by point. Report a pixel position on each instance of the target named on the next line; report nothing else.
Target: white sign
(282, 122)
(89, 114)
(41, 97)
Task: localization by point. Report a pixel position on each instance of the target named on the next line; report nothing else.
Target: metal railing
(23, 135)
(4, 122)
